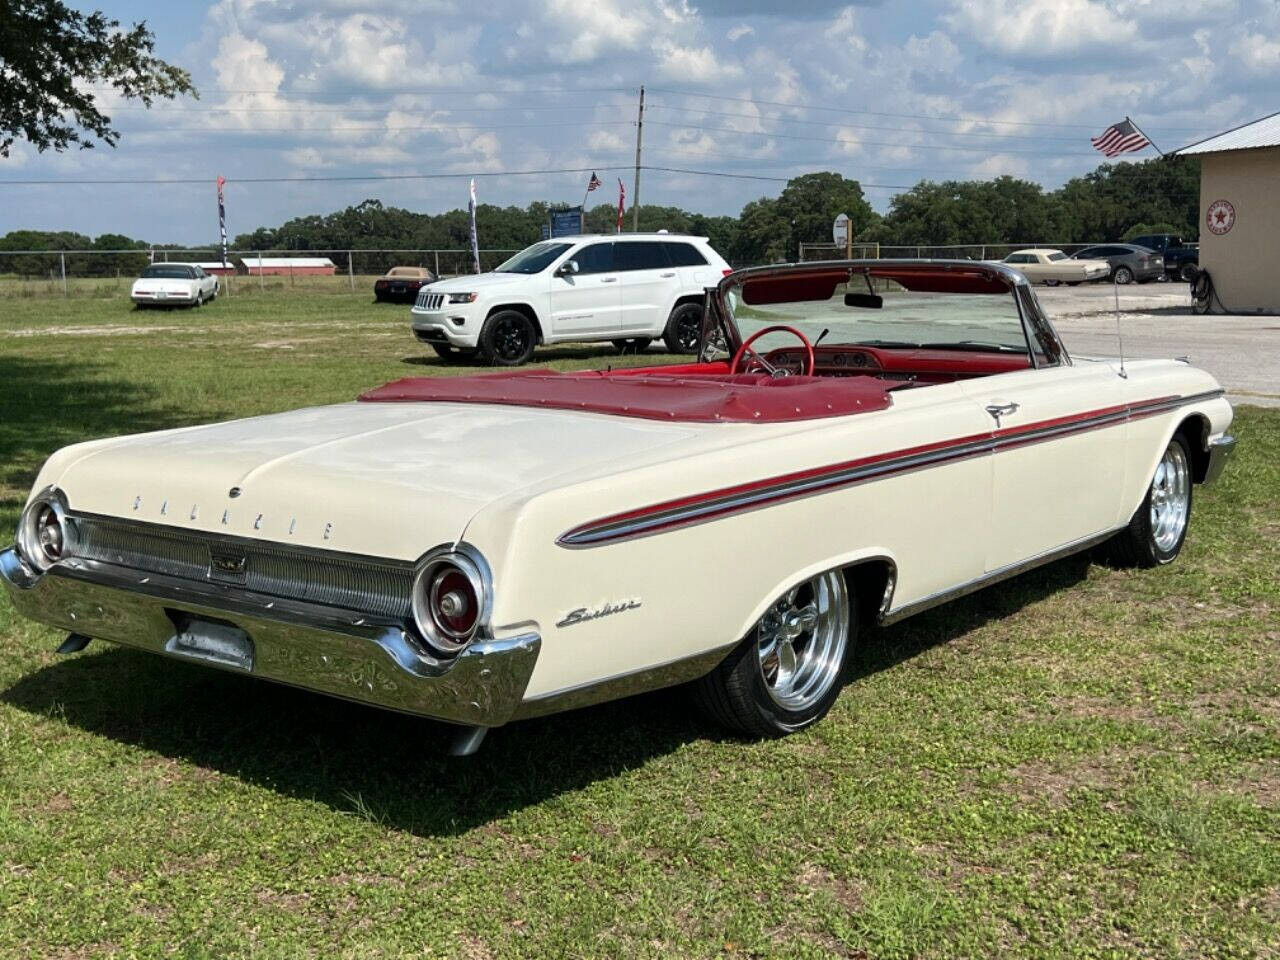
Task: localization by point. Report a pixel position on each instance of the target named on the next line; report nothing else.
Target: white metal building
(1240, 216)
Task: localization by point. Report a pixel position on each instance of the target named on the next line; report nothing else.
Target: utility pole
(635, 190)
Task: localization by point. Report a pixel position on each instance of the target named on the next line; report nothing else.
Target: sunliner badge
(583, 614)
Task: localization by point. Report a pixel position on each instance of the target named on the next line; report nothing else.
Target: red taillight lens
(450, 598)
(725, 273)
(453, 604)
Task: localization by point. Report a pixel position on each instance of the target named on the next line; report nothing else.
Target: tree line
(1110, 203)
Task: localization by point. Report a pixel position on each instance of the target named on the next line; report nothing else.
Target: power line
(855, 126)
(327, 179)
(866, 143)
(380, 128)
(907, 116)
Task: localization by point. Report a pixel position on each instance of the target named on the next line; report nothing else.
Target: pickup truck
(1180, 259)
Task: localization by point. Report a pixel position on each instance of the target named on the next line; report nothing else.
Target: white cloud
(736, 33)
(1041, 28)
(1260, 55)
(936, 53)
(692, 64)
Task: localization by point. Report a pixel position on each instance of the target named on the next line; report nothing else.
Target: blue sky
(888, 93)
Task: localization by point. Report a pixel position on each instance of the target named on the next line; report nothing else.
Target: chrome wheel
(801, 640)
(1170, 498)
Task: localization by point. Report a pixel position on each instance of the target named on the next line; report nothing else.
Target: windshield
(892, 316)
(534, 259)
(167, 272)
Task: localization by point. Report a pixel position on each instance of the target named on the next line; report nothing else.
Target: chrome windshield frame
(1035, 324)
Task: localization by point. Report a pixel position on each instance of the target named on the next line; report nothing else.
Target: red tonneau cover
(744, 398)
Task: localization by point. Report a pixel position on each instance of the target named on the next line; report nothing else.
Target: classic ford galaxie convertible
(857, 441)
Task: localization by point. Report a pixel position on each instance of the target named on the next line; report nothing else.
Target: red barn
(289, 266)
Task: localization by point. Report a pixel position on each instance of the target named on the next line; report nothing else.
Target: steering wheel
(806, 371)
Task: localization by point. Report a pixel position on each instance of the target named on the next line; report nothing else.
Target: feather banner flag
(475, 241)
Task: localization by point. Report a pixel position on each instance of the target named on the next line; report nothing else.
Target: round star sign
(1220, 217)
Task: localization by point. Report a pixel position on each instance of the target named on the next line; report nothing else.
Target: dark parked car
(1180, 259)
(401, 284)
(1129, 262)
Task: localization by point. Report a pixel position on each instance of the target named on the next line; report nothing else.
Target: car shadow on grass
(393, 768)
(49, 404)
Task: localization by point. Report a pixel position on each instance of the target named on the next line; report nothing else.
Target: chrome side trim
(370, 659)
(766, 494)
(737, 503)
(623, 685)
(1220, 451)
(995, 576)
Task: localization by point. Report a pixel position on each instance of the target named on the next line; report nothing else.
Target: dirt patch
(287, 901)
(1055, 782)
(1258, 782)
(95, 331)
(850, 894)
(473, 948)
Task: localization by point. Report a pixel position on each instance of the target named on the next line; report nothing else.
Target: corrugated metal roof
(1259, 133)
(252, 261)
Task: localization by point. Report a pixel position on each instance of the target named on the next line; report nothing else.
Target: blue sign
(545, 232)
(566, 223)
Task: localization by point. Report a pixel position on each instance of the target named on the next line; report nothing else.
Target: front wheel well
(1195, 431)
(696, 299)
(524, 308)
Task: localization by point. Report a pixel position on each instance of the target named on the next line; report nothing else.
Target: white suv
(629, 289)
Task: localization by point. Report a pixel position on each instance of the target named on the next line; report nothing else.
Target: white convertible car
(174, 285)
(857, 441)
(1053, 267)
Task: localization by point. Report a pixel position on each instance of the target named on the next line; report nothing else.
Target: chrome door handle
(608, 279)
(999, 410)
(667, 275)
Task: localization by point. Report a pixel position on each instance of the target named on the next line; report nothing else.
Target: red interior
(847, 380)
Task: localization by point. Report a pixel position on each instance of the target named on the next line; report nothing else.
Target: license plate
(162, 295)
(219, 643)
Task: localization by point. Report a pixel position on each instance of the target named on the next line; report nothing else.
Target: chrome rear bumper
(325, 649)
(1220, 450)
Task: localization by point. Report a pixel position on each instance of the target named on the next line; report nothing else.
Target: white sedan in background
(174, 285)
(1043, 265)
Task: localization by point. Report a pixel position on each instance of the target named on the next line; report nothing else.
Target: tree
(810, 204)
(49, 53)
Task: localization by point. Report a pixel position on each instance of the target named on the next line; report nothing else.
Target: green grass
(1082, 762)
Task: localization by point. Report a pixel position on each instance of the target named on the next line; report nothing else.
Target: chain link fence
(959, 251)
(109, 273)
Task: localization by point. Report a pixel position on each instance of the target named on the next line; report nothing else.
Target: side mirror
(567, 268)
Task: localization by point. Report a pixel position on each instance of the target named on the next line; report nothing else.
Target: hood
(478, 281)
(391, 480)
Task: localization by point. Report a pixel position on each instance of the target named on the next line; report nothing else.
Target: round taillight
(453, 603)
(450, 597)
(44, 533)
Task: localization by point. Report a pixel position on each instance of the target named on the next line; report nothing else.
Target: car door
(650, 285)
(1058, 456)
(1031, 267)
(586, 302)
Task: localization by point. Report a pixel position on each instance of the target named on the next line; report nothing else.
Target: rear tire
(508, 339)
(1188, 272)
(633, 345)
(684, 328)
(1158, 528)
(788, 671)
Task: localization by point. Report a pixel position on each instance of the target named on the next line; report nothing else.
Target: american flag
(594, 182)
(1122, 137)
